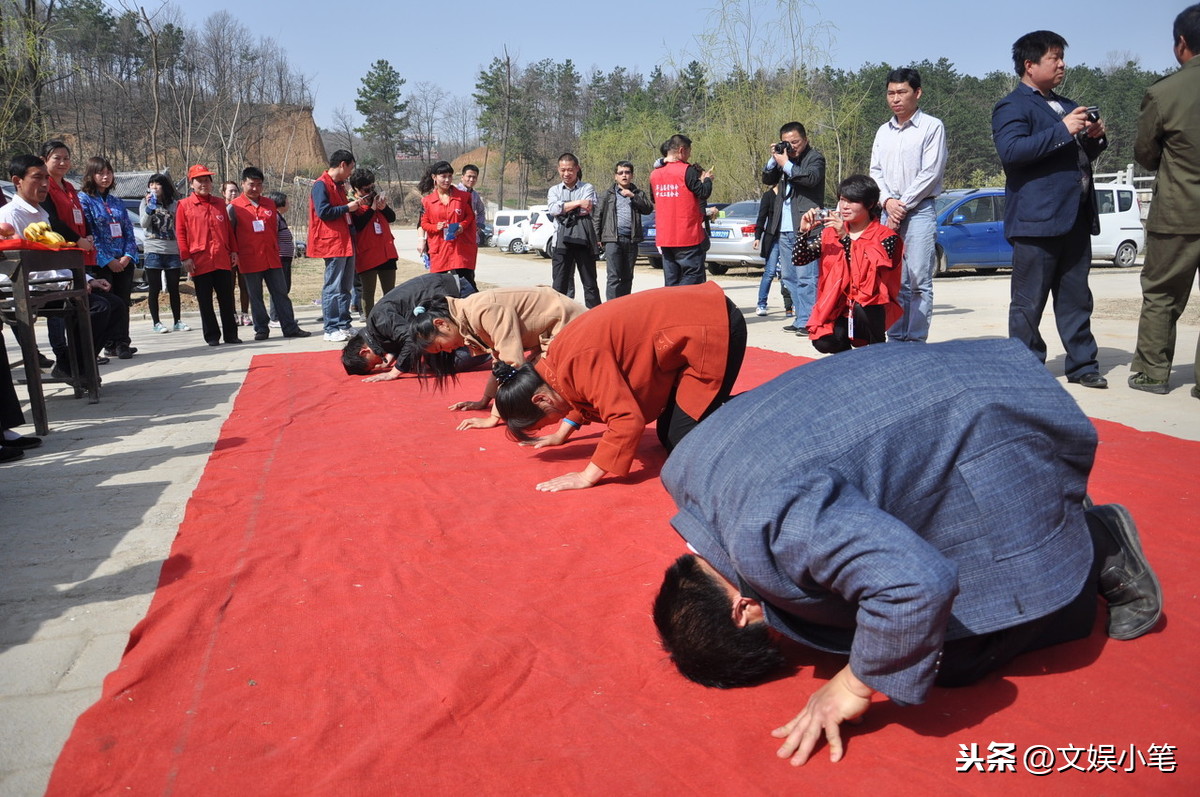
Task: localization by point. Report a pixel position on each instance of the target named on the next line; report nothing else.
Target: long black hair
(440, 365)
(514, 397)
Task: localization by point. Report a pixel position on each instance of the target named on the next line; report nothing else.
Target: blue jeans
(335, 294)
(919, 233)
(801, 281)
(277, 287)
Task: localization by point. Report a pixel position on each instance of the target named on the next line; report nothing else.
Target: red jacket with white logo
(204, 233)
(256, 229)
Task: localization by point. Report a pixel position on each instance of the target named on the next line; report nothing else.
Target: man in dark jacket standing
(1047, 144)
(619, 218)
(799, 170)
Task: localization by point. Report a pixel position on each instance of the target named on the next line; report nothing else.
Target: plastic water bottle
(425, 260)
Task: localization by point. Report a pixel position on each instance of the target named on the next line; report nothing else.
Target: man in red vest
(255, 222)
(329, 237)
(680, 191)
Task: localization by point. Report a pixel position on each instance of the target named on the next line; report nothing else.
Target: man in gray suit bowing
(931, 539)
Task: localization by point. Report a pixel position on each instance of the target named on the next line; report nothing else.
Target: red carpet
(362, 601)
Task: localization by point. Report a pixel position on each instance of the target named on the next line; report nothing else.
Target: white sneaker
(350, 332)
(760, 311)
(275, 325)
(182, 327)
(337, 336)
(160, 327)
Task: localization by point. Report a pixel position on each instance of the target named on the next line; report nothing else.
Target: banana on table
(40, 232)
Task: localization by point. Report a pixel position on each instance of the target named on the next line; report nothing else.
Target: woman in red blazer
(449, 222)
(668, 353)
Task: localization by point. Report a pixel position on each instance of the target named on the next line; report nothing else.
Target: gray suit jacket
(888, 499)
(1168, 140)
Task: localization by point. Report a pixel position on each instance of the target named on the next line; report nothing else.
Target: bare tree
(425, 114)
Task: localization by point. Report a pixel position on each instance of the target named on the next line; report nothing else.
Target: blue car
(970, 228)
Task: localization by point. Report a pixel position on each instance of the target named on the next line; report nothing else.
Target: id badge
(378, 228)
(78, 215)
(114, 229)
(259, 225)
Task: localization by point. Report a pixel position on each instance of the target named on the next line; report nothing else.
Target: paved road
(88, 518)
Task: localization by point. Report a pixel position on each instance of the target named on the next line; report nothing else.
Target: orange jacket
(618, 362)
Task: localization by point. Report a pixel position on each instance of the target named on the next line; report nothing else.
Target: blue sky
(448, 44)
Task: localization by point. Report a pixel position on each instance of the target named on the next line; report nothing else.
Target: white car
(503, 234)
(541, 231)
(513, 238)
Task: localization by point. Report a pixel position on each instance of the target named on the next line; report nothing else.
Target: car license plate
(720, 234)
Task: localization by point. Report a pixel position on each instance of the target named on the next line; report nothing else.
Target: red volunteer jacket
(204, 234)
(256, 230)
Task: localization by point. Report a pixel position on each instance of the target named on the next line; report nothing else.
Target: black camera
(1093, 113)
(780, 148)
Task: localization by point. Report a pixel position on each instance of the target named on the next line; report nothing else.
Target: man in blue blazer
(1047, 144)
(932, 539)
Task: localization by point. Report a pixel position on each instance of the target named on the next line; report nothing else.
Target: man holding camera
(1047, 144)
(908, 160)
(799, 170)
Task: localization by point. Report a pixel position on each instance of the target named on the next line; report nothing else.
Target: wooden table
(25, 298)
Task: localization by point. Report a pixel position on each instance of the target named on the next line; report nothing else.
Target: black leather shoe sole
(1127, 582)
(23, 442)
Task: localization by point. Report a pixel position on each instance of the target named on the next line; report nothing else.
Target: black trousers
(10, 406)
(965, 661)
(1056, 267)
(869, 325)
(219, 282)
(619, 257)
(109, 317)
(674, 423)
(566, 259)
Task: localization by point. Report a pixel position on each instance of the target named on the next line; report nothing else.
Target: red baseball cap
(198, 171)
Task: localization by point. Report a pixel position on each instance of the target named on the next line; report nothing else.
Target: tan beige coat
(508, 321)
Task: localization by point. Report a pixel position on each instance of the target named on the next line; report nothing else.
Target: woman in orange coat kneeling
(668, 353)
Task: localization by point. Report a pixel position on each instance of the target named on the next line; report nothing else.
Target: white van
(1122, 235)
